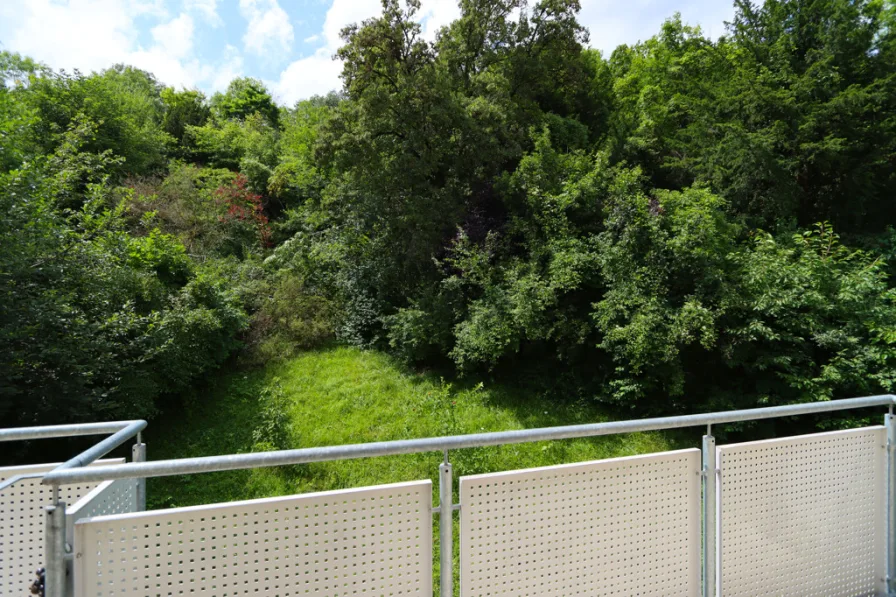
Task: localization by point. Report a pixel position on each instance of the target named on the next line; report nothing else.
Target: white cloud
(174, 62)
(435, 14)
(175, 38)
(84, 34)
(612, 23)
(269, 27)
(170, 58)
(231, 67)
(207, 9)
(314, 75)
(319, 73)
(154, 8)
(95, 34)
(166, 68)
(346, 12)
(92, 35)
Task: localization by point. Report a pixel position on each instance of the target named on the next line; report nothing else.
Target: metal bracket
(438, 509)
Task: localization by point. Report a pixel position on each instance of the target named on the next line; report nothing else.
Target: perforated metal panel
(804, 515)
(22, 523)
(110, 497)
(368, 541)
(626, 526)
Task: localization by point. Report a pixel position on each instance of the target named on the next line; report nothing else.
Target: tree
(814, 85)
(497, 197)
(245, 96)
(124, 103)
(788, 118)
(297, 176)
(811, 319)
(428, 129)
(96, 323)
(183, 109)
(17, 119)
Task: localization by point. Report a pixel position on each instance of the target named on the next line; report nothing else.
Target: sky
(288, 44)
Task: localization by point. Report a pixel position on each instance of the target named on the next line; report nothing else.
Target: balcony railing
(806, 515)
(23, 498)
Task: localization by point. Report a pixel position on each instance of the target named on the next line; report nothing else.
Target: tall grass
(345, 395)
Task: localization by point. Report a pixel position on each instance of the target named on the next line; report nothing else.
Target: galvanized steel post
(709, 516)
(446, 530)
(890, 424)
(138, 453)
(54, 550)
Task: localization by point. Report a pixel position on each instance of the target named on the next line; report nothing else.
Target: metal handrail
(207, 464)
(50, 431)
(121, 432)
(88, 456)
(55, 543)
(71, 473)
(16, 478)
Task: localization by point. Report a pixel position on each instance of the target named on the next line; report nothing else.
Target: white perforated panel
(22, 523)
(110, 497)
(368, 541)
(804, 515)
(627, 526)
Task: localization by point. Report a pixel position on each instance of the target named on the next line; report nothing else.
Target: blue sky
(286, 43)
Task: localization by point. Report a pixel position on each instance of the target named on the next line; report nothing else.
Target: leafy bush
(123, 102)
(211, 211)
(249, 146)
(183, 109)
(244, 213)
(273, 431)
(811, 319)
(196, 333)
(665, 262)
(291, 319)
(496, 199)
(96, 323)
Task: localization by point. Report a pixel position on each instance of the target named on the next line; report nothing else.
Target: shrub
(243, 214)
(291, 319)
(94, 322)
(211, 211)
(273, 431)
(811, 319)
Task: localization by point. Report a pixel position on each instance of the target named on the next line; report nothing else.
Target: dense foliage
(687, 223)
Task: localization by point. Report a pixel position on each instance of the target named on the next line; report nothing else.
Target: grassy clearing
(346, 395)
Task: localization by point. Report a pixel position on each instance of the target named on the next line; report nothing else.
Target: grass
(346, 395)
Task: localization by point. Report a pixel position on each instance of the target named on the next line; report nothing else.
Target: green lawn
(346, 395)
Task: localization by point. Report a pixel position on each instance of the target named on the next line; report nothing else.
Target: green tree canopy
(245, 96)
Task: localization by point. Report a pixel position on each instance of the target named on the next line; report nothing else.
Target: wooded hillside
(686, 224)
